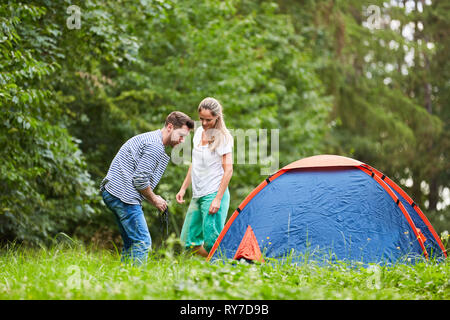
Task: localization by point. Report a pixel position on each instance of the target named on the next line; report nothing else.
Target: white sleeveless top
(207, 170)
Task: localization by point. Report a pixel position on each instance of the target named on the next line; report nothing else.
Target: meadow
(78, 272)
(366, 79)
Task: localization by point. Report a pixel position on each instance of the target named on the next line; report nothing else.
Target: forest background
(363, 79)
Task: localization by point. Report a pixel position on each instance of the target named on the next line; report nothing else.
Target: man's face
(177, 136)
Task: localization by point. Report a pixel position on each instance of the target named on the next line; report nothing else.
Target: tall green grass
(74, 271)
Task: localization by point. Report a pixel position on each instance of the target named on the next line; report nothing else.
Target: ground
(77, 272)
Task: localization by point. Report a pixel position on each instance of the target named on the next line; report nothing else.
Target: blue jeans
(133, 229)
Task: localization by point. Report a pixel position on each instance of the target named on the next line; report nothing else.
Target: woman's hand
(180, 196)
(215, 206)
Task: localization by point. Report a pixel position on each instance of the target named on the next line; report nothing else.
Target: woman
(209, 174)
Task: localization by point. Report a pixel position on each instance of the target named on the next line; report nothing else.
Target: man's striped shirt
(140, 163)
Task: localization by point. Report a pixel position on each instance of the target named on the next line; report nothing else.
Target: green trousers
(200, 227)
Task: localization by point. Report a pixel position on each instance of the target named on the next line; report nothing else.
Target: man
(133, 175)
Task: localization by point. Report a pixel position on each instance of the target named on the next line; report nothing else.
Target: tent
(328, 206)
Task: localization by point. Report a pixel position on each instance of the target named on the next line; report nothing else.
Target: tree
(44, 184)
(383, 64)
(243, 53)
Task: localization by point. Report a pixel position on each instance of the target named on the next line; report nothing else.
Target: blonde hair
(220, 132)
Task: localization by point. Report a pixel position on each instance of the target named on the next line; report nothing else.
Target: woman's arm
(227, 165)
(184, 186)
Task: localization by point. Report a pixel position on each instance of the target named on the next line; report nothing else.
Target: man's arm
(143, 173)
(154, 199)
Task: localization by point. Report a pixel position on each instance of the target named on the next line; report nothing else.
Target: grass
(78, 272)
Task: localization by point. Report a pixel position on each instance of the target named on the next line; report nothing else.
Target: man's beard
(172, 142)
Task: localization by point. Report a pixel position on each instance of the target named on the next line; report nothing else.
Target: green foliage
(69, 98)
(76, 272)
(388, 84)
(44, 183)
(246, 55)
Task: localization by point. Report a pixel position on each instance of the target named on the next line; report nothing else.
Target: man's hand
(159, 202)
(154, 199)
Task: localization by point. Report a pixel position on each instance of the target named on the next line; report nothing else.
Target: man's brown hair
(179, 119)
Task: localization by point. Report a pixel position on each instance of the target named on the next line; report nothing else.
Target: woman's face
(207, 119)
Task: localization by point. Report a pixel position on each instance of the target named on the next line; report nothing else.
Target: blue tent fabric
(339, 213)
